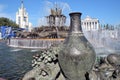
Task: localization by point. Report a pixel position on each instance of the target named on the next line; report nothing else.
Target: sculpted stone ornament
(45, 66)
(114, 59)
(76, 56)
(108, 68)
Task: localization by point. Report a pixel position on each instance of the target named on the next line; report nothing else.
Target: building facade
(89, 24)
(22, 18)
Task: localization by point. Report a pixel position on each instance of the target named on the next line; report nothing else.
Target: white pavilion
(22, 18)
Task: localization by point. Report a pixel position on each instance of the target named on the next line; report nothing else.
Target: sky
(106, 11)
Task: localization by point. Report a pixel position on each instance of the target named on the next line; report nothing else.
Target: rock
(45, 67)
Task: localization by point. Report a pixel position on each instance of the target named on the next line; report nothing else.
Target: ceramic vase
(76, 56)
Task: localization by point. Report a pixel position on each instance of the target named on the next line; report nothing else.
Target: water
(15, 62)
(107, 39)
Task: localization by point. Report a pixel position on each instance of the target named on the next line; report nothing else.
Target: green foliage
(7, 22)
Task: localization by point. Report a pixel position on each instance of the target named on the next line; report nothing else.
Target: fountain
(49, 36)
(56, 19)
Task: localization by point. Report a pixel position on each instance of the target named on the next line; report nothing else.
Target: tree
(7, 22)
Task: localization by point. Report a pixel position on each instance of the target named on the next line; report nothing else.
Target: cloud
(3, 13)
(2, 7)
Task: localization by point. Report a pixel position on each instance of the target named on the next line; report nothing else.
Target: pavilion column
(97, 26)
(94, 25)
(90, 25)
(87, 26)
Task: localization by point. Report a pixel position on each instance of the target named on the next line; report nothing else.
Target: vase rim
(75, 13)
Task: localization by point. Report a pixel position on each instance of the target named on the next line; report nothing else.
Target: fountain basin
(34, 43)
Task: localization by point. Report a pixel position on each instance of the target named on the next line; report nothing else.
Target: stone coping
(40, 38)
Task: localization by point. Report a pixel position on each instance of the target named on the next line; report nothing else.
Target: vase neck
(75, 22)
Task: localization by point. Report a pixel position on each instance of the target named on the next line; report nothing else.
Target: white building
(89, 24)
(22, 18)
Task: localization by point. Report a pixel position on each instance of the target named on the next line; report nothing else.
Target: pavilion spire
(22, 5)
